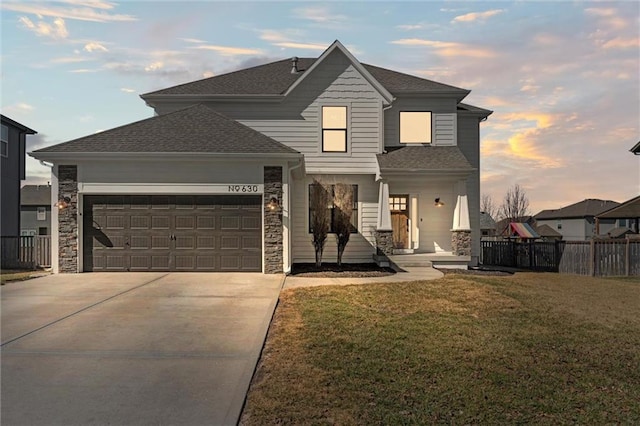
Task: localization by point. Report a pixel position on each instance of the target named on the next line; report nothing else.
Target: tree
(488, 206)
(515, 204)
(343, 210)
(320, 219)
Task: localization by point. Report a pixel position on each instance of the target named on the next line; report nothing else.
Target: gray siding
(361, 245)
(469, 144)
(296, 121)
(29, 220)
(13, 171)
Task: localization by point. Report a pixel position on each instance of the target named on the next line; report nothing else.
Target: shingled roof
(275, 78)
(197, 129)
(424, 158)
(583, 209)
(35, 195)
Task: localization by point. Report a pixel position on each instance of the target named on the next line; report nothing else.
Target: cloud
(127, 90)
(448, 49)
(319, 15)
(95, 47)
(622, 43)
(86, 12)
(409, 27)
(69, 60)
(227, 50)
(83, 70)
(607, 17)
(289, 38)
(19, 108)
(154, 66)
(477, 16)
(55, 30)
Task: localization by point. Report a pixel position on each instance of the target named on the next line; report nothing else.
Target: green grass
(531, 348)
(18, 275)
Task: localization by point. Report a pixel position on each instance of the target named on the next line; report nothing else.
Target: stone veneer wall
(273, 263)
(461, 243)
(384, 242)
(68, 219)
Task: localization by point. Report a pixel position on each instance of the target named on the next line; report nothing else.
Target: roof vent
(294, 65)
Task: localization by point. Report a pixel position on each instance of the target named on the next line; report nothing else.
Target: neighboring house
(12, 153)
(487, 225)
(636, 149)
(547, 233)
(35, 210)
(627, 214)
(576, 222)
(219, 178)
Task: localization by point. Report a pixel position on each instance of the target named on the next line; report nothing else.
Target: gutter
(191, 156)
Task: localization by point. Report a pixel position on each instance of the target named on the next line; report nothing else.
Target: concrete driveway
(132, 348)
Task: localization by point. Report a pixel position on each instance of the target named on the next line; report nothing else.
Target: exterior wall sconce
(63, 203)
(273, 204)
(438, 203)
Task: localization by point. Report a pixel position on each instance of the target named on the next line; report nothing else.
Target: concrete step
(410, 261)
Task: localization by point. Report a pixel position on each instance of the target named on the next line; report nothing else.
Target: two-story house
(12, 157)
(576, 222)
(35, 210)
(219, 179)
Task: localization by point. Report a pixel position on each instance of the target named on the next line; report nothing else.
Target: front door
(399, 206)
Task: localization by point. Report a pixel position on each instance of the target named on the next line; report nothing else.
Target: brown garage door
(172, 233)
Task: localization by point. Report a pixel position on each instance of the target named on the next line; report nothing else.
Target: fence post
(531, 254)
(627, 258)
(592, 258)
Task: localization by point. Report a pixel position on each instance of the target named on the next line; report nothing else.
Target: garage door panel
(185, 222)
(167, 233)
(206, 242)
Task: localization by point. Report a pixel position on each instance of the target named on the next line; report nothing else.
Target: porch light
(273, 203)
(438, 203)
(63, 203)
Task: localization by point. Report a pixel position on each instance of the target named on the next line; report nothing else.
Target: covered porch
(423, 207)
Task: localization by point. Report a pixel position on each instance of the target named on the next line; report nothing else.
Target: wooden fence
(25, 252)
(612, 257)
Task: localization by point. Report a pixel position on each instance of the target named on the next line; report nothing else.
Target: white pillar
(461, 215)
(384, 214)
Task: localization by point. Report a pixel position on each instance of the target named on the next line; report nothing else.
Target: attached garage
(172, 233)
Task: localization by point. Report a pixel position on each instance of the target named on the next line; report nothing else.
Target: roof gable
(630, 209)
(197, 129)
(583, 209)
(276, 79)
(21, 127)
(336, 45)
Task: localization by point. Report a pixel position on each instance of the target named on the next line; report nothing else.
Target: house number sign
(254, 189)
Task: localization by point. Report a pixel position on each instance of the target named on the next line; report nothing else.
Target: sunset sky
(563, 78)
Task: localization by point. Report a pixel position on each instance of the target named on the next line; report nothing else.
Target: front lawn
(528, 348)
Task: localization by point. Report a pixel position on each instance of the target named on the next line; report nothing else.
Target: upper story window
(41, 213)
(4, 142)
(334, 129)
(415, 127)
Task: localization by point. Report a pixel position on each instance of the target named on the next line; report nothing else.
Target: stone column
(273, 239)
(384, 242)
(68, 220)
(461, 243)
